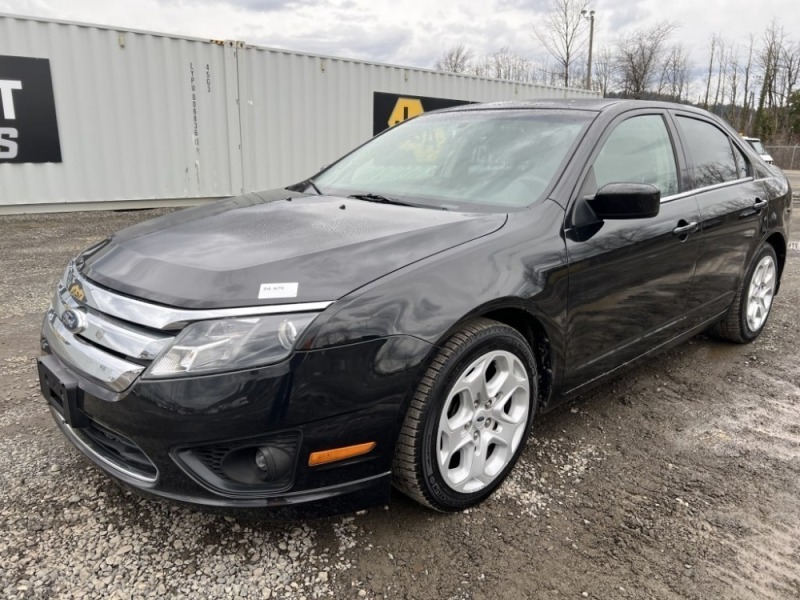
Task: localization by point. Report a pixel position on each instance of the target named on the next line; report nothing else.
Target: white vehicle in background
(759, 147)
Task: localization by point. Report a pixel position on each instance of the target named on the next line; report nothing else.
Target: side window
(711, 152)
(742, 165)
(639, 150)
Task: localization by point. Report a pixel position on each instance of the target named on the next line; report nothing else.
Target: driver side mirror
(626, 201)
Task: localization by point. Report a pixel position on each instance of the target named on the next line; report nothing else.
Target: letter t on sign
(7, 99)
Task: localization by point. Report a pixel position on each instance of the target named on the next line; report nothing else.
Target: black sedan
(402, 317)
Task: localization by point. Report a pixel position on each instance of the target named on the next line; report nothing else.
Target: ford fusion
(400, 318)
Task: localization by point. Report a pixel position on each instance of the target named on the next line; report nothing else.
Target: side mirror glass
(626, 201)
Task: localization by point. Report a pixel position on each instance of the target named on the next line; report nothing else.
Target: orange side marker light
(328, 456)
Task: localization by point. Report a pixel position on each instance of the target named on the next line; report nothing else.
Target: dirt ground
(680, 479)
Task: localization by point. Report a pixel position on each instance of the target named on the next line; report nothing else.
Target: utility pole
(589, 14)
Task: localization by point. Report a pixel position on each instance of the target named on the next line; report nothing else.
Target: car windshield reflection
(494, 158)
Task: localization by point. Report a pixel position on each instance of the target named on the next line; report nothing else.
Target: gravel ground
(679, 479)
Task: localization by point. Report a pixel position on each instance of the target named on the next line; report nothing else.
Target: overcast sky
(409, 32)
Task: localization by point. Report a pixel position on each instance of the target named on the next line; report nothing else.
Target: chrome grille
(165, 318)
(120, 337)
(110, 339)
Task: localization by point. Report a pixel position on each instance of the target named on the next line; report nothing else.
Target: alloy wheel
(761, 293)
(483, 421)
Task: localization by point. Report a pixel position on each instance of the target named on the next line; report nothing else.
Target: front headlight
(230, 344)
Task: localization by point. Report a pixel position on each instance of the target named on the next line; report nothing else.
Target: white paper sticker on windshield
(277, 290)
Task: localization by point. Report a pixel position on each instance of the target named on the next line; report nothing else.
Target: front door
(629, 280)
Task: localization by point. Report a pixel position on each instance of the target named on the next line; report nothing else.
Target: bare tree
(768, 58)
(639, 56)
(674, 73)
(563, 34)
(454, 60)
(603, 69)
(748, 92)
(482, 67)
(550, 74)
(507, 64)
(713, 50)
(734, 80)
(790, 61)
(786, 79)
(721, 72)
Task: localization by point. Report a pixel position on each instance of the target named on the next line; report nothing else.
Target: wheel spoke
(473, 383)
(512, 416)
(452, 443)
(462, 417)
(477, 470)
(499, 379)
(503, 435)
(767, 298)
(752, 310)
(758, 276)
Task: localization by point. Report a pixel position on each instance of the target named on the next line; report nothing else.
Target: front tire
(749, 311)
(469, 418)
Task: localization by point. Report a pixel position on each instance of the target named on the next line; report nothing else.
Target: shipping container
(102, 117)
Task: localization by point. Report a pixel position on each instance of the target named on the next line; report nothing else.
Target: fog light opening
(272, 462)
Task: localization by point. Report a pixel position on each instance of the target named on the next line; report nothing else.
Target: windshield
(759, 147)
(495, 158)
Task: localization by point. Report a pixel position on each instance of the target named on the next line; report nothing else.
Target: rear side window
(639, 150)
(711, 152)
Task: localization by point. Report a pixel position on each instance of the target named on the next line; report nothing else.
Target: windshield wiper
(379, 198)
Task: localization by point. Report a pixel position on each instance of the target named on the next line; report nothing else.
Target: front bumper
(316, 400)
(345, 497)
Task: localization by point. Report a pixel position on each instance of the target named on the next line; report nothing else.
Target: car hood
(274, 247)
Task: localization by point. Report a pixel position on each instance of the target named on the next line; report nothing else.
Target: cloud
(536, 6)
(630, 14)
(354, 40)
(408, 32)
(270, 5)
(262, 6)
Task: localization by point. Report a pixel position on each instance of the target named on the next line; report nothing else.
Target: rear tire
(750, 309)
(469, 418)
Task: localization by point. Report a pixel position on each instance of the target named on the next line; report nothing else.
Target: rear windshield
(492, 158)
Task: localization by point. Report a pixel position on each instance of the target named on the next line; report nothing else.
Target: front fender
(522, 266)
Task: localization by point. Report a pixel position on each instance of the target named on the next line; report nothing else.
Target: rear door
(629, 280)
(733, 210)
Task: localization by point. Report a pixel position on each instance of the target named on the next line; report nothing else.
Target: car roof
(588, 104)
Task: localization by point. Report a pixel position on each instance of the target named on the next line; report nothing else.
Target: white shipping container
(147, 119)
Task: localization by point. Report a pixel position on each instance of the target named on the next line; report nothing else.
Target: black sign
(391, 109)
(28, 125)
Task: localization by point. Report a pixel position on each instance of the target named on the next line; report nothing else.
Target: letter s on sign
(8, 148)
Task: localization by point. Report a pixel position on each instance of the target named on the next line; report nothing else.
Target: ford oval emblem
(73, 321)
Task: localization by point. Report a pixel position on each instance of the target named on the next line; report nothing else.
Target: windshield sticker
(277, 290)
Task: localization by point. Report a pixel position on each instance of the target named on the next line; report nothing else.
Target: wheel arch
(778, 243)
(531, 327)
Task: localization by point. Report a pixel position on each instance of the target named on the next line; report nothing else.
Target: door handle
(686, 229)
(759, 204)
